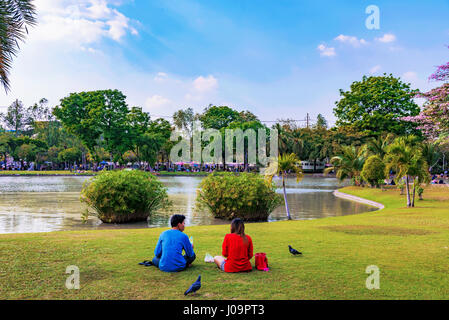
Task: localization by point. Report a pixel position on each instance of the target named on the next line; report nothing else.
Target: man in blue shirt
(168, 252)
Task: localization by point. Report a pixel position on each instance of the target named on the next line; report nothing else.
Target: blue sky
(278, 59)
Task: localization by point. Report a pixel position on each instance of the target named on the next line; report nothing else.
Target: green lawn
(410, 246)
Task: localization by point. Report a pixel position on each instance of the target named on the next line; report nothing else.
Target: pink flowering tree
(442, 73)
(434, 118)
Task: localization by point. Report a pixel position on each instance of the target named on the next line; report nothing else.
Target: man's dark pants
(189, 260)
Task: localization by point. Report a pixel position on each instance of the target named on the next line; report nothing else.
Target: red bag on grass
(261, 261)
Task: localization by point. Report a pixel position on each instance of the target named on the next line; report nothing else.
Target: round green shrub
(246, 196)
(373, 171)
(124, 196)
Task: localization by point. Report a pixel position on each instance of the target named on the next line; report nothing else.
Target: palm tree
(378, 146)
(289, 139)
(15, 15)
(348, 164)
(406, 158)
(282, 166)
(431, 154)
(296, 142)
(420, 174)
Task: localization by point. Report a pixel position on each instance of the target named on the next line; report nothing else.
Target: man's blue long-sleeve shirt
(169, 250)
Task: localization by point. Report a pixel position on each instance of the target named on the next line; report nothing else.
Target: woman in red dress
(238, 248)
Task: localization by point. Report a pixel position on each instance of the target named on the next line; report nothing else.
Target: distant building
(313, 166)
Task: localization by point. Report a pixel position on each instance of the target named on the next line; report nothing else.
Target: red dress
(237, 252)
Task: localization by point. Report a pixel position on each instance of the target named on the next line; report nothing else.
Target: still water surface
(42, 204)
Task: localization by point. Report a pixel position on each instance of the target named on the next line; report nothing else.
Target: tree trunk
(407, 188)
(414, 190)
(285, 199)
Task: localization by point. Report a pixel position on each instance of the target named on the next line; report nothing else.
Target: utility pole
(307, 120)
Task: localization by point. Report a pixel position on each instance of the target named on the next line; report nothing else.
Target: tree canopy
(376, 105)
(218, 117)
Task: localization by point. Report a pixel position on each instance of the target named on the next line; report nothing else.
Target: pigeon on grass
(194, 287)
(293, 251)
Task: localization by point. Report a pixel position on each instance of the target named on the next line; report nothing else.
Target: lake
(43, 204)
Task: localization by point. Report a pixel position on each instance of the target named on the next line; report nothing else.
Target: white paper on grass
(208, 258)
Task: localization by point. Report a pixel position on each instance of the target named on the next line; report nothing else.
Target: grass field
(409, 245)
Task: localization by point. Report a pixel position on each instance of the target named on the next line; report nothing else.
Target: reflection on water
(41, 204)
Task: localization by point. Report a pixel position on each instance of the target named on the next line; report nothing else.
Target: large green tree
(138, 122)
(75, 114)
(16, 117)
(376, 104)
(70, 155)
(215, 117)
(160, 131)
(111, 114)
(184, 119)
(148, 137)
(98, 114)
(26, 152)
(243, 125)
(23, 148)
(5, 145)
(321, 122)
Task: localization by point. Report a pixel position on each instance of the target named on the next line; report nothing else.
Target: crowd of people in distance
(442, 178)
(439, 179)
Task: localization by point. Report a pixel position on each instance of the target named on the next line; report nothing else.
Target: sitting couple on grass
(237, 247)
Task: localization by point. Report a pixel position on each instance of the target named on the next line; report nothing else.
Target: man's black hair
(175, 219)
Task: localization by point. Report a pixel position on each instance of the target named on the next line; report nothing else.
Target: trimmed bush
(246, 196)
(373, 171)
(124, 196)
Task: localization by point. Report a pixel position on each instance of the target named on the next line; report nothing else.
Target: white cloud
(79, 22)
(160, 77)
(203, 84)
(326, 51)
(118, 26)
(156, 101)
(158, 105)
(387, 38)
(90, 50)
(410, 76)
(375, 69)
(170, 92)
(98, 9)
(351, 40)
